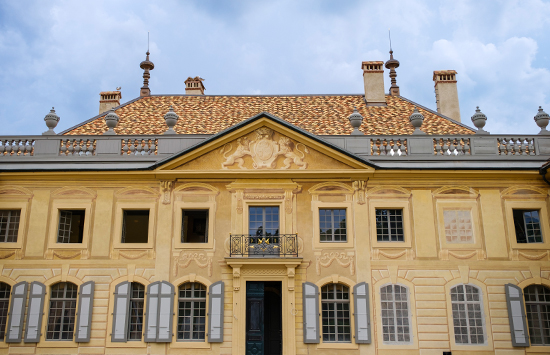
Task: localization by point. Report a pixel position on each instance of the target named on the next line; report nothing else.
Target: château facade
(299, 224)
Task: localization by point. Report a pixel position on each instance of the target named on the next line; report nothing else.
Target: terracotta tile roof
(318, 114)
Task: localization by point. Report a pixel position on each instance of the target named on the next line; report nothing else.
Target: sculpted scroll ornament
(343, 259)
(264, 151)
(184, 259)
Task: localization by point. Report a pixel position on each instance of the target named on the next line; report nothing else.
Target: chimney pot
(446, 94)
(194, 86)
(109, 100)
(373, 77)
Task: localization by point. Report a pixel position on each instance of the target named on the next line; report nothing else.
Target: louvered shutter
(516, 315)
(85, 306)
(166, 312)
(310, 294)
(35, 312)
(215, 312)
(120, 312)
(17, 311)
(362, 313)
(151, 316)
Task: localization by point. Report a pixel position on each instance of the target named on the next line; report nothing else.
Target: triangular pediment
(265, 143)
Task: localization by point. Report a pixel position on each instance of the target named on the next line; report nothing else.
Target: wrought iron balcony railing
(282, 245)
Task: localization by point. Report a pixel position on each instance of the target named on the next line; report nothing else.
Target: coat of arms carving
(265, 151)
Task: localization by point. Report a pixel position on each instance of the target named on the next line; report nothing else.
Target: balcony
(253, 246)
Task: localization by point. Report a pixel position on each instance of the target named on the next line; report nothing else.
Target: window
(467, 315)
(71, 226)
(194, 226)
(9, 225)
(336, 313)
(5, 290)
(263, 221)
(135, 226)
(389, 225)
(192, 312)
(135, 314)
(458, 226)
(395, 314)
(61, 318)
(537, 308)
(527, 225)
(332, 223)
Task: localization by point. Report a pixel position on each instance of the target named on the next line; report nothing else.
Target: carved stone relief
(360, 188)
(184, 259)
(345, 260)
(133, 254)
(403, 254)
(265, 151)
(166, 187)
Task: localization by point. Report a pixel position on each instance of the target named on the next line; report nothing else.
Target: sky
(63, 53)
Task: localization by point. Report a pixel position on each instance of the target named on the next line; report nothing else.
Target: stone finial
(479, 119)
(111, 120)
(416, 119)
(355, 119)
(392, 64)
(542, 118)
(171, 118)
(51, 120)
(146, 65)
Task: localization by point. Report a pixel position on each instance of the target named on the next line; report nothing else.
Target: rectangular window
(527, 226)
(458, 226)
(71, 226)
(389, 225)
(135, 226)
(9, 225)
(194, 226)
(332, 223)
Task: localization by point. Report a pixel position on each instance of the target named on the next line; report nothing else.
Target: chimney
(109, 100)
(194, 86)
(373, 76)
(446, 95)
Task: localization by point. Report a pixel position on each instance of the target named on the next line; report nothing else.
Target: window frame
(540, 205)
(69, 204)
(546, 347)
(402, 204)
(179, 207)
(332, 240)
(21, 205)
(461, 205)
(524, 222)
(409, 313)
(3, 339)
(129, 315)
(63, 300)
(316, 206)
(121, 206)
(336, 301)
(192, 300)
(465, 302)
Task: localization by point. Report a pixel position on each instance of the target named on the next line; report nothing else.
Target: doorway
(264, 335)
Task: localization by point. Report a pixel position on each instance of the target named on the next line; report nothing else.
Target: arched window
(467, 314)
(192, 312)
(394, 302)
(537, 308)
(135, 314)
(336, 313)
(5, 290)
(61, 318)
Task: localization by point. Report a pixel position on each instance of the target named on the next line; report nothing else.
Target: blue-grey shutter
(85, 306)
(516, 315)
(17, 312)
(215, 312)
(310, 295)
(362, 313)
(37, 291)
(120, 312)
(166, 312)
(151, 315)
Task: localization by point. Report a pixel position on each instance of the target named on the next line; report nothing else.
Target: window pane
(9, 225)
(458, 226)
(62, 312)
(332, 224)
(527, 226)
(192, 312)
(395, 314)
(135, 315)
(389, 225)
(537, 307)
(194, 226)
(5, 290)
(467, 315)
(335, 312)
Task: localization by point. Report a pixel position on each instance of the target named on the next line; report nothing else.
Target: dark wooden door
(255, 318)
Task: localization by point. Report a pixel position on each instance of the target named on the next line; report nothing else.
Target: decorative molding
(392, 271)
(184, 259)
(166, 188)
(479, 254)
(455, 191)
(15, 191)
(6, 254)
(345, 260)
(524, 192)
(136, 192)
(389, 191)
(248, 272)
(408, 253)
(239, 197)
(464, 271)
(74, 192)
(264, 197)
(133, 254)
(360, 188)
(63, 254)
(527, 255)
(264, 151)
(288, 201)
